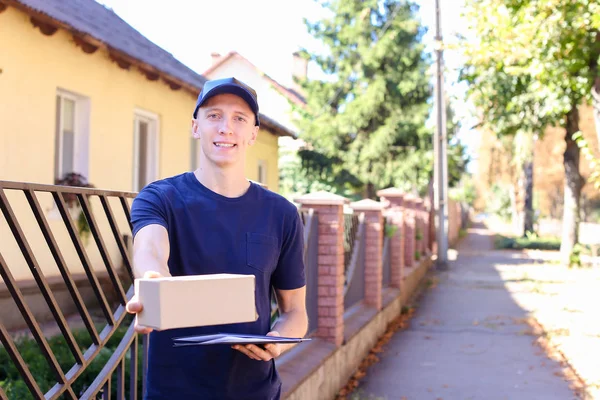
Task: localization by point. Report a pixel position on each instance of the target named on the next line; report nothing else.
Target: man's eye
(242, 119)
(213, 115)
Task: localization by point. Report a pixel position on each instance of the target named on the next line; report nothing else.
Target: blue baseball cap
(231, 86)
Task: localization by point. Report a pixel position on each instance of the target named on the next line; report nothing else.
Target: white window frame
(81, 134)
(262, 165)
(152, 167)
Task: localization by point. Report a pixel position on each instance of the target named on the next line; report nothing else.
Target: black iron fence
(354, 287)
(350, 230)
(386, 257)
(100, 317)
(311, 251)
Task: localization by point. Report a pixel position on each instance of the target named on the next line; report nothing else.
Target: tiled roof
(91, 18)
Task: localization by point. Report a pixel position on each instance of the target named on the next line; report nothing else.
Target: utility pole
(440, 159)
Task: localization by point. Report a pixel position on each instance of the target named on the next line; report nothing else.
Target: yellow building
(82, 91)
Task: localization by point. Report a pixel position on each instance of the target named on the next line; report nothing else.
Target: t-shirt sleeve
(289, 273)
(147, 209)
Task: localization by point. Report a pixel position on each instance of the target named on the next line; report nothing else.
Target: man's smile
(224, 144)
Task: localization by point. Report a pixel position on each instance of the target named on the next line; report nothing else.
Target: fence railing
(354, 288)
(386, 257)
(350, 231)
(108, 231)
(311, 253)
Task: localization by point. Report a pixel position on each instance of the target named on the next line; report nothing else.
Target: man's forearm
(292, 324)
(146, 261)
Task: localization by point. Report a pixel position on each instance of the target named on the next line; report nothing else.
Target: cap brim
(231, 89)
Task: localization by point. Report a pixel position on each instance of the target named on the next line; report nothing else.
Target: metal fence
(354, 287)
(386, 257)
(350, 230)
(67, 366)
(311, 251)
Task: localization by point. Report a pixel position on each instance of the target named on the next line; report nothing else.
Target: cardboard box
(198, 300)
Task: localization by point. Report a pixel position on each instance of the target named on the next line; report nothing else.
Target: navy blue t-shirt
(258, 233)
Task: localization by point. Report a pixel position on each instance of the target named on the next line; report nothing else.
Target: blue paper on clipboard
(233, 338)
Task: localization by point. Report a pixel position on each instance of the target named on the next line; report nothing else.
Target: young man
(213, 220)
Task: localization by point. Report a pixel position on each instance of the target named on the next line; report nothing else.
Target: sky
(267, 32)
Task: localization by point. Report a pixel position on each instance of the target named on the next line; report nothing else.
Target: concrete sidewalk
(467, 340)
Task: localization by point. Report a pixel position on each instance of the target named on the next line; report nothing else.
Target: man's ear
(253, 136)
(195, 129)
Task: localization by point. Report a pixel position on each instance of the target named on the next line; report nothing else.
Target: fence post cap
(322, 198)
(367, 205)
(391, 192)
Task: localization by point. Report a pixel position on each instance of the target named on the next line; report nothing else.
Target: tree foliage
(367, 125)
(531, 65)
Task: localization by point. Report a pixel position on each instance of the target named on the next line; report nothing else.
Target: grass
(531, 242)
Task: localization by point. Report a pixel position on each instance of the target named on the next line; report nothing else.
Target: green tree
(367, 124)
(532, 65)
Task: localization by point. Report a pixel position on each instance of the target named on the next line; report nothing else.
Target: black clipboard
(232, 338)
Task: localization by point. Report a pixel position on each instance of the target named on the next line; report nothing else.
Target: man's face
(225, 128)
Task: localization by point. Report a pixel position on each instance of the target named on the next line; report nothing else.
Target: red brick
(328, 239)
(328, 280)
(327, 301)
(327, 259)
(328, 322)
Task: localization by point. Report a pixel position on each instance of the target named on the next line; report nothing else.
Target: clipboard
(233, 338)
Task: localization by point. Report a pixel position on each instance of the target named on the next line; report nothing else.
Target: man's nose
(225, 128)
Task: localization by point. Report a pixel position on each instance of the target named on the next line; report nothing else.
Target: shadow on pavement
(469, 339)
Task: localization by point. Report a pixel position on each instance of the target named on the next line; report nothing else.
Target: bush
(498, 202)
(531, 242)
(14, 386)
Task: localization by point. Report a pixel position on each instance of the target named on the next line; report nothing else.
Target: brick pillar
(328, 208)
(408, 206)
(392, 198)
(373, 250)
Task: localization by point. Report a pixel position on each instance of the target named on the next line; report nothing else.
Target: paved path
(467, 340)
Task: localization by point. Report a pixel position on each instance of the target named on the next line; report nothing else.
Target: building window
(145, 147)
(262, 172)
(71, 145)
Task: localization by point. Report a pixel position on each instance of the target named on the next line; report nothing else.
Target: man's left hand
(269, 352)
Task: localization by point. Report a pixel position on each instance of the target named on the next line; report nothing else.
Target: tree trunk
(528, 220)
(370, 191)
(573, 185)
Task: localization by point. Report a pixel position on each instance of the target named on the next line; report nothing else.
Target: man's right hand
(133, 306)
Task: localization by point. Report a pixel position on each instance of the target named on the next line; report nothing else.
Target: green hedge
(15, 388)
(531, 243)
